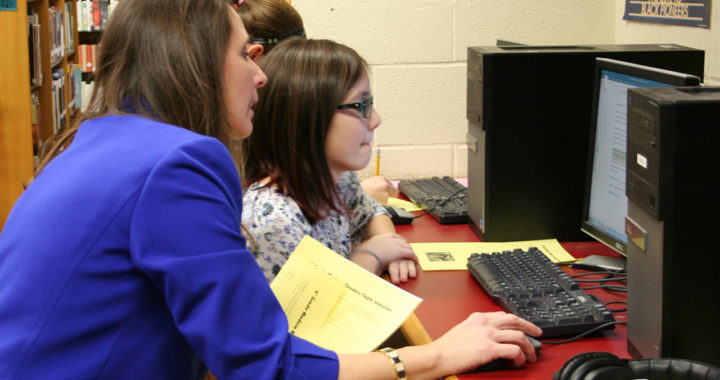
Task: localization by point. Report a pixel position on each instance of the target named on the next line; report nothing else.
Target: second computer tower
(673, 185)
(529, 111)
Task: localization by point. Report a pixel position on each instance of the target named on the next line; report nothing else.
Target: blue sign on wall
(8, 5)
(677, 12)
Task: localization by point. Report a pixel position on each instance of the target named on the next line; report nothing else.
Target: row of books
(66, 84)
(93, 14)
(70, 83)
(61, 26)
(58, 96)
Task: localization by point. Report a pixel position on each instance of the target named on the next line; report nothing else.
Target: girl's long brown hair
(307, 80)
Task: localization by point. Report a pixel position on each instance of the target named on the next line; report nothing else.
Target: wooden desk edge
(414, 331)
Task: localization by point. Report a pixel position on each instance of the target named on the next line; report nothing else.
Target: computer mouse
(399, 215)
(502, 363)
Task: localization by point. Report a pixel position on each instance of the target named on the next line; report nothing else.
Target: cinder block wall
(417, 52)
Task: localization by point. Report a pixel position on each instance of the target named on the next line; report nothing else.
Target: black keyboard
(445, 197)
(529, 285)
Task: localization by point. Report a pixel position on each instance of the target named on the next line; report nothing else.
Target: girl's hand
(401, 271)
(395, 254)
(380, 188)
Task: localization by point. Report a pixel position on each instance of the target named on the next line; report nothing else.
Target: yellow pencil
(377, 163)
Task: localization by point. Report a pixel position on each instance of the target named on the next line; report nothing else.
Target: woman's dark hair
(162, 59)
(307, 80)
(270, 20)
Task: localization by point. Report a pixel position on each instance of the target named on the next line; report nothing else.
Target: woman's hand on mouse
(484, 337)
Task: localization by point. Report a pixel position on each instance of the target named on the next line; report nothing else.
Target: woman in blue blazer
(124, 258)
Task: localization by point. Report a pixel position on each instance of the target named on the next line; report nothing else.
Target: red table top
(450, 296)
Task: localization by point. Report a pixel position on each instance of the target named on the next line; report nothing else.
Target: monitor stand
(601, 263)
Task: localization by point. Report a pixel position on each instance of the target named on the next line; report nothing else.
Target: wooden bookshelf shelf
(18, 114)
(16, 154)
(89, 37)
(32, 109)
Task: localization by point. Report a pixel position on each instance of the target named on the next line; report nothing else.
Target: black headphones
(606, 366)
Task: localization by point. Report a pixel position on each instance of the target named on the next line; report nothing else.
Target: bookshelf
(53, 108)
(16, 154)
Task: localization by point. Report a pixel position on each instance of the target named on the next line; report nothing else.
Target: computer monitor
(605, 204)
(528, 111)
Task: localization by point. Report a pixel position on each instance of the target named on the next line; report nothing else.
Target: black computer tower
(529, 111)
(673, 185)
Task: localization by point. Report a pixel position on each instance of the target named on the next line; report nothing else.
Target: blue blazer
(124, 259)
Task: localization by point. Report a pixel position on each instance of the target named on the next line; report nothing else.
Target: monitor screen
(606, 204)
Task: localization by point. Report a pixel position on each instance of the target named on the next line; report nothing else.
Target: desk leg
(414, 331)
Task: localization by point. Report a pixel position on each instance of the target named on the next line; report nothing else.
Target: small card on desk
(454, 256)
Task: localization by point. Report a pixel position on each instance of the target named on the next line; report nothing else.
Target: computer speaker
(606, 366)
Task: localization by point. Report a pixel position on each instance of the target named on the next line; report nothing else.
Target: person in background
(314, 126)
(124, 257)
(269, 22)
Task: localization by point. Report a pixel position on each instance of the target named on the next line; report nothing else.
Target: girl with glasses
(269, 22)
(313, 127)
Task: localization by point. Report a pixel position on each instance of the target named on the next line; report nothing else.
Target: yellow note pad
(365, 309)
(454, 256)
(408, 206)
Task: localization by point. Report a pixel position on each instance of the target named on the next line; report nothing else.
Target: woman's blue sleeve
(185, 235)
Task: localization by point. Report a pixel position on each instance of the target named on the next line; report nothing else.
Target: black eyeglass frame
(275, 40)
(365, 106)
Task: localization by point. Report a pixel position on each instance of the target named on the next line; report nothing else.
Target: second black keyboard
(445, 197)
(529, 285)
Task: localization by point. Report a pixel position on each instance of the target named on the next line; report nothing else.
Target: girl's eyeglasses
(365, 106)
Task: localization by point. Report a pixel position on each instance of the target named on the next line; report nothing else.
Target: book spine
(89, 58)
(88, 14)
(35, 123)
(103, 13)
(77, 86)
(68, 30)
(86, 92)
(32, 49)
(96, 16)
(56, 112)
